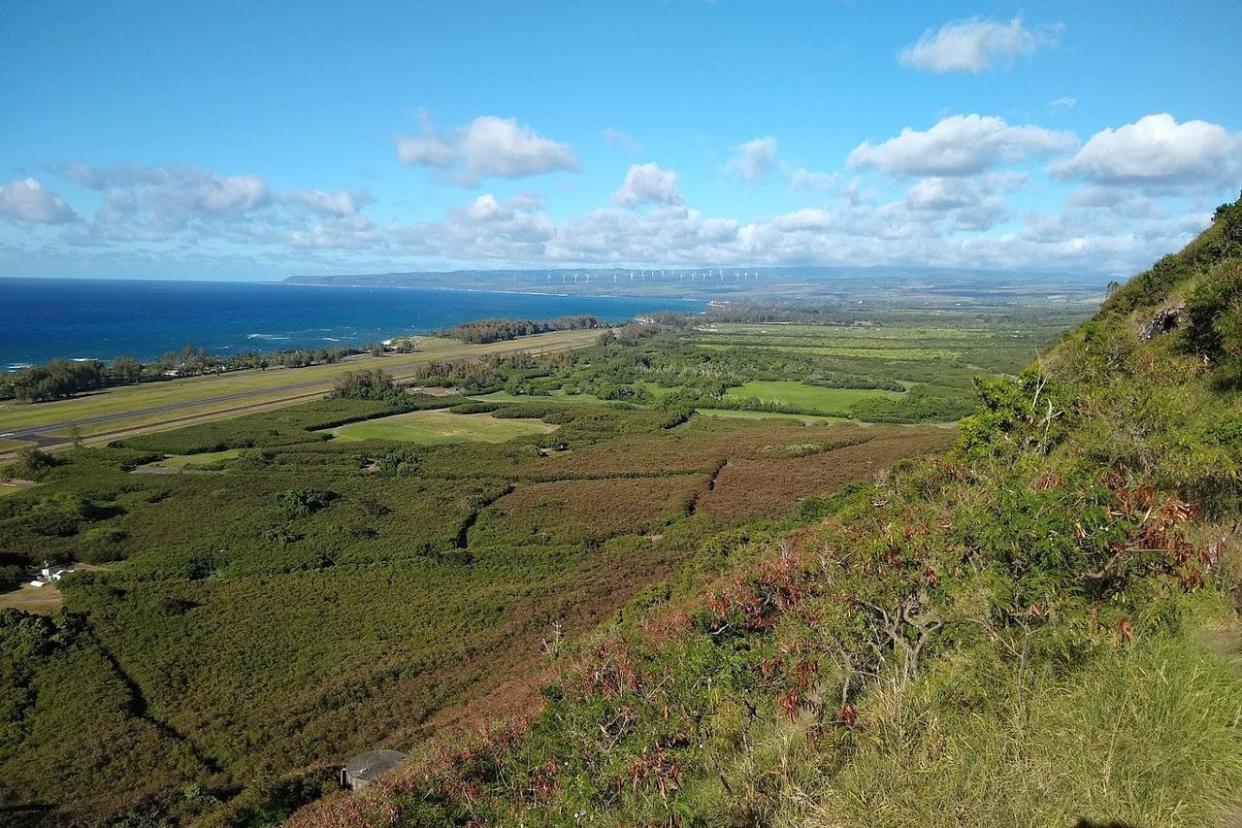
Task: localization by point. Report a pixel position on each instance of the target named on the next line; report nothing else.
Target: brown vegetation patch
(575, 510)
(748, 489)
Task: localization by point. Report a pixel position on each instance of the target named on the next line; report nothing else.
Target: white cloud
(26, 200)
(486, 229)
(168, 198)
(426, 151)
(1157, 153)
(487, 146)
(802, 180)
(1063, 102)
(974, 45)
(343, 232)
(959, 145)
(621, 141)
(754, 159)
(340, 203)
(941, 194)
(648, 184)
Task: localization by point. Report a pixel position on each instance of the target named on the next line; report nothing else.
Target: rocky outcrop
(1164, 320)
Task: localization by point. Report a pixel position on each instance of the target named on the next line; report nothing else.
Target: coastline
(102, 319)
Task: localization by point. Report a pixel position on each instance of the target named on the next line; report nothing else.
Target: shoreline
(346, 334)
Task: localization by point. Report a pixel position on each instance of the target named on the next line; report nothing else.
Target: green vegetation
(1039, 627)
(664, 617)
(215, 395)
(784, 395)
(310, 598)
(433, 427)
(496, 330)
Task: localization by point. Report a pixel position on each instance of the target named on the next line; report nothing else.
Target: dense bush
(496, 330)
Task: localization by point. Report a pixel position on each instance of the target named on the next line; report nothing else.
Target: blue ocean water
(42, 319)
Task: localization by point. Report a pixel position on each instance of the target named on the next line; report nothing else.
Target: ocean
(43, 319)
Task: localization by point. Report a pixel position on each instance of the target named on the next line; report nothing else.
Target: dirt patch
(45, 599)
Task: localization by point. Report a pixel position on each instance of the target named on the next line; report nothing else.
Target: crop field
(433, 427)
(809, 398)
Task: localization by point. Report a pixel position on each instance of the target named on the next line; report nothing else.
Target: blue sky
(251, 141)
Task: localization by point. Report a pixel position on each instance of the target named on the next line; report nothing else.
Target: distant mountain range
(939, 285)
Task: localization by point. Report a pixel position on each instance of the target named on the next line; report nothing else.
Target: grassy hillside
(1038, 628)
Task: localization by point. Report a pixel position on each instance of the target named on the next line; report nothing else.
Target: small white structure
(50, 574)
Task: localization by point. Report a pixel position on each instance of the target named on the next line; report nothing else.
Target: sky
(241, 140)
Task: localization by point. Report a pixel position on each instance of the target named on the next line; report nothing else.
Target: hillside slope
(1037, 629)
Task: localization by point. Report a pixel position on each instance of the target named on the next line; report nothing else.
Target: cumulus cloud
(754, 159)
(148, 204)
(486, 229)
(959, 145)
(168, 198)
(26, 200)
(1157, 153)
(487, 146)
(975, 45)
(648, 184)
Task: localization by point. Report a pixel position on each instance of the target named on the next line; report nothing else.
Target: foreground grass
(1146, 735)
(435, 427)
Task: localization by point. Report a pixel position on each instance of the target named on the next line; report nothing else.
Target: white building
(49, 574)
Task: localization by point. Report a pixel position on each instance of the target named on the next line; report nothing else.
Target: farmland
(288, 587)
(153, 405)
(808, 398)
(433, 427)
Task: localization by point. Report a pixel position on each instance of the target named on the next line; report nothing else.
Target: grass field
(799, 395)
(180, 462)
(8, 487)
(130, 405)
(554, 397)
(737, 414)
(27, 598)
(435, 427)
(909, 352)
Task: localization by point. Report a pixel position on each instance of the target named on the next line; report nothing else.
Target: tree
(366, 384)
(32, 462)
(125, 370)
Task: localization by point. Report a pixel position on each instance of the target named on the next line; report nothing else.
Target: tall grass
(1143, 735)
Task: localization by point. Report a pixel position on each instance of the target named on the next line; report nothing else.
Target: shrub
(303, 502)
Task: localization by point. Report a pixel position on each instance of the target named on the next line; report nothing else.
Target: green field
(181, 462)
(554, 397)
(8, 487)
(741, 414)
(810, 398)
(435, 427)
(907, 352)
(128, 406)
